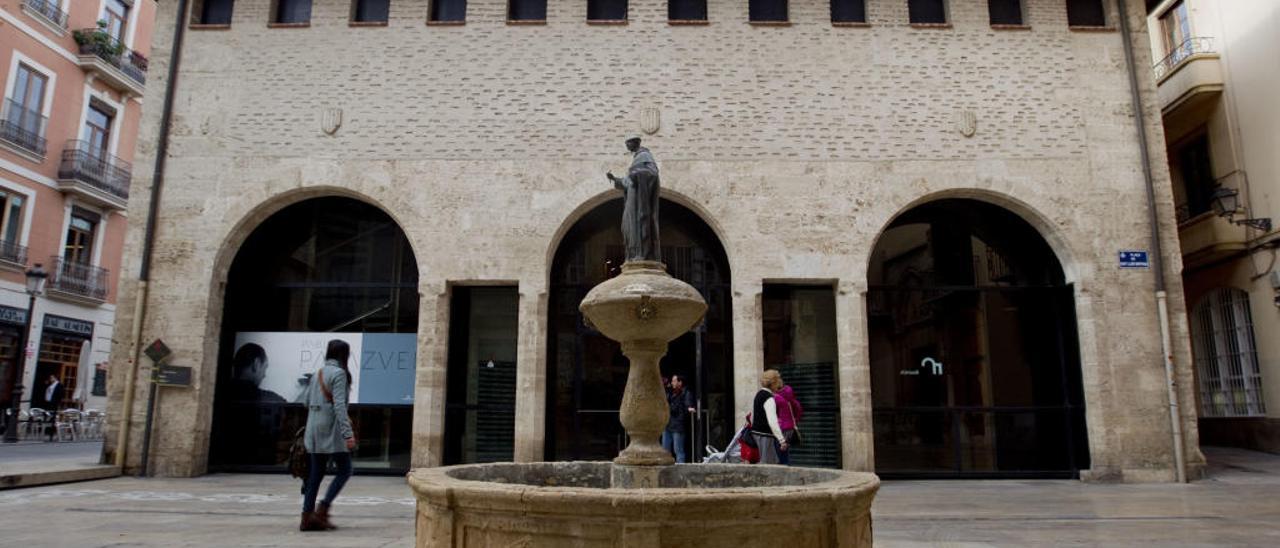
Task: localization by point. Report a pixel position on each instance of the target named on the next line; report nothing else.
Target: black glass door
(974, 358)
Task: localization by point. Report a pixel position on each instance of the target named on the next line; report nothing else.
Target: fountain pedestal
(643, 308)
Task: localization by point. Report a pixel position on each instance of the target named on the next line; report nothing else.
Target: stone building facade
(796, 146)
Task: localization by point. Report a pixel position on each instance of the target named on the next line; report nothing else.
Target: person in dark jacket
(680, 404)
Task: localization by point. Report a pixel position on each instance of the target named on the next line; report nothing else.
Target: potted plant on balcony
(98, 41)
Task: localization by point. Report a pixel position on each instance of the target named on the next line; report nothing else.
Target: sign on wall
(382, 364)
(1134, 259)
(70, 326)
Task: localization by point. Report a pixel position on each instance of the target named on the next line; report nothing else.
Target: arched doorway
(587, 372)
(975, 365)
(319, 269)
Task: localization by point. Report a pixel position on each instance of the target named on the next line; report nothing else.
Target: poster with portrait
(382, 365)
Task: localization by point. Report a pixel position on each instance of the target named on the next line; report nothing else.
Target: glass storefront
(587, 372)
(321, 269)
(799, 326)
(480, 409)
(974, 359)
(12, 320)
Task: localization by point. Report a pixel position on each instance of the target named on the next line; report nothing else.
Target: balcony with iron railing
(73, 281)
(94, 175)
(12, 255)
(1203, 235)
(1189, 74)
(49, 13)
(106, 57)
(22, 130)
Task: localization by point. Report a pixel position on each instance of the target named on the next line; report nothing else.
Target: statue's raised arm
(640, 189)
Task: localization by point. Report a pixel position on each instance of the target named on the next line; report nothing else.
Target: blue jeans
(319, 463)
(673, 442)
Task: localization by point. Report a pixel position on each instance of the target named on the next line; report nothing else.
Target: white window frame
(1226, 355)
(99, 230)
(28, 208)
(51, 78)
(113, 140)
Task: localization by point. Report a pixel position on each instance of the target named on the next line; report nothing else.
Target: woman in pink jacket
(789, 413)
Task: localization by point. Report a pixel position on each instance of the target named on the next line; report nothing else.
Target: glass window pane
(481, 394)
(687, 10)
(800, 342)
(606, 10)
(448, 10)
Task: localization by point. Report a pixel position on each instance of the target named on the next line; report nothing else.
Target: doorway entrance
(975, 365)
(321, 269)
(587, 372)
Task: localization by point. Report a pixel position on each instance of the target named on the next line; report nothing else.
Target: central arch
(586, 372)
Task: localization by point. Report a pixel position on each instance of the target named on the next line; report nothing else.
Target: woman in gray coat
(328, 435)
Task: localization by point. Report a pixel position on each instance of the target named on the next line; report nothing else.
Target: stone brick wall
(797, 144)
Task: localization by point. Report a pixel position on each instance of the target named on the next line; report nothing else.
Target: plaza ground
(1235, 506)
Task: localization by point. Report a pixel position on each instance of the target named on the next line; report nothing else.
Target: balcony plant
(98, 40)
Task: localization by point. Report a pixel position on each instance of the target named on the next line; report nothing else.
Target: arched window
(1226, 357)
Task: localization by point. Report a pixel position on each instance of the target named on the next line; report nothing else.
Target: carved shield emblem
(330, 120)
(967, 123)
(650, 119)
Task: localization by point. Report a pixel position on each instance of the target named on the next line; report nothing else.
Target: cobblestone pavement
(1236, 506)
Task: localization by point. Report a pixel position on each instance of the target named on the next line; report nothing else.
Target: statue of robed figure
(640, 208)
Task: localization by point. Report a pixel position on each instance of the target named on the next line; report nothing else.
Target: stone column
(430, 382)
(856, 439)
(531, 376)
(748, 352)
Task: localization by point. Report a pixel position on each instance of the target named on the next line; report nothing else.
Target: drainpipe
(1157, 258)
(149, 240)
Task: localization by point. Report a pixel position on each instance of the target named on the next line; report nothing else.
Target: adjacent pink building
(72, 74)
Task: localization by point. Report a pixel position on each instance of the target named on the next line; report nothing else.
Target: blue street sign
(1134, 259)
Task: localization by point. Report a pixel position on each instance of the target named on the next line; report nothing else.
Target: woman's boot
(310, 523)
(322, 516)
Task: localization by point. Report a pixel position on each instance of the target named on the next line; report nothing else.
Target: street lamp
(1226, 203)
(36, 277)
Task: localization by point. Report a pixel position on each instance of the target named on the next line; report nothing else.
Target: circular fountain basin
(701, 505)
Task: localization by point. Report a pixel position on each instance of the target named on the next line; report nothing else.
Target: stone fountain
(642, 499)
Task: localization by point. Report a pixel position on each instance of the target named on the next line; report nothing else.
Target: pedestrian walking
(764, 419)
(789, 413)
(328, 435)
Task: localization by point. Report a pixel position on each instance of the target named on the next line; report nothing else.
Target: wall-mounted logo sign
(930, 366)
(15, 316)
(1134, 259)
(68, 325)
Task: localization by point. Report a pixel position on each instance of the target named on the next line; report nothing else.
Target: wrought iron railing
(80, 162)
(22, 127)
(99, 42)
(1182, 52)
(13, 253)
(77, 279)
(48, 9)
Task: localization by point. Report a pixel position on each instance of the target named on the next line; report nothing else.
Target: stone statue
(640, 210)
